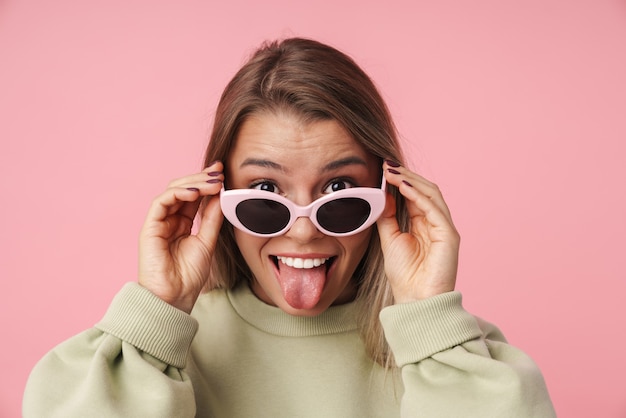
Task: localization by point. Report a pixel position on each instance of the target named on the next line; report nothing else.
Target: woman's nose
(303, 230)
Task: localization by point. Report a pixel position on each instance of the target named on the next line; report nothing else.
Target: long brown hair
(315, 82)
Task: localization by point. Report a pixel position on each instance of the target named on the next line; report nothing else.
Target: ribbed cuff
(418, 330)
(143, 320)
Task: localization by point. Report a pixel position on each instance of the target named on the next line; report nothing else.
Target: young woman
(319, 282)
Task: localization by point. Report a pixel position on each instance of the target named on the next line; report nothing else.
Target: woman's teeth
(302, 263)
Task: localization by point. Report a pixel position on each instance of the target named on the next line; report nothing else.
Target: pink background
(517, 109)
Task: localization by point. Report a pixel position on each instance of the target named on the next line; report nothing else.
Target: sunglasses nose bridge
(308, 211)
(301, 211)
(302, 226)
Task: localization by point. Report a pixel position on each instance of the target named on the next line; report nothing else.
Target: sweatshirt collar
(273, 320)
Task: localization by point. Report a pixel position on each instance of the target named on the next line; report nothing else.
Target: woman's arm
(454, 365)
(129, 365)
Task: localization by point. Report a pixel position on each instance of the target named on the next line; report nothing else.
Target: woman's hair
(312, 81)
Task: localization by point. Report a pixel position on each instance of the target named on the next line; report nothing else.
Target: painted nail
(214, 173)
(193, 189)
(407, 183)
(214, 181)
(393, 171)
(392, 163)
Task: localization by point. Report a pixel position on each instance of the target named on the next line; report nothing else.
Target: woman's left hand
(421, 262)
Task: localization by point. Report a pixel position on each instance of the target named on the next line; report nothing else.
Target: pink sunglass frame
(229, 199)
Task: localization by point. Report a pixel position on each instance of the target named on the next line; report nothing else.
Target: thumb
(387, 223)
(211, 220)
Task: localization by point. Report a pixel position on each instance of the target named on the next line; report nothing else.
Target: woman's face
(280, 153)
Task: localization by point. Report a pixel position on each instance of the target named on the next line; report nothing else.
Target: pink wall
(516, 109)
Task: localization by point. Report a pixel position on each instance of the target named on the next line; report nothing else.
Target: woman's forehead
(281, 140)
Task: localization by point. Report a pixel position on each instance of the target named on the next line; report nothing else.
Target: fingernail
(214, 173)
(393, 171)
(214, 181)
(407, 183)
(193, 189)
(392, 163)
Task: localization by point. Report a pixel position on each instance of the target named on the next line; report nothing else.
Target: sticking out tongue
(302, 288)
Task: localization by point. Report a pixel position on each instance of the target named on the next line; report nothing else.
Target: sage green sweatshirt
(236, 356)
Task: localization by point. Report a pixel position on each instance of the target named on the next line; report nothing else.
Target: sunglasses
(267, 214)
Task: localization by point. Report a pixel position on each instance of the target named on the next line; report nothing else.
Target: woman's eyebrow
(259, 162)
(333, 165)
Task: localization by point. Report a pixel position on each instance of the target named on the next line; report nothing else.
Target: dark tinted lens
(343, 215)
(262, 216)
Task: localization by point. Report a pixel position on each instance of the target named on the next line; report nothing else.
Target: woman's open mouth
(302, 280)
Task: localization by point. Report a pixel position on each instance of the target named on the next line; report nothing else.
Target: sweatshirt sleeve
(454, 364)
(129, 364)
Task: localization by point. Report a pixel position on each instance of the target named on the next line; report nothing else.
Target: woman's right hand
(174, 264)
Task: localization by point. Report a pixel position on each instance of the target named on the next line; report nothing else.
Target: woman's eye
(266, 186)
(336, 185)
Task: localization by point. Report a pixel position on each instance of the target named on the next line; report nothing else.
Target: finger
(425, 186)
(400, 175)
(424, 197)
(160, 222)
(211, 187)
(209, 177)
(423, 207)
(208, 182)
(164, 205)
(425, 201)
(172, 200)
(212, 172)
